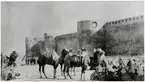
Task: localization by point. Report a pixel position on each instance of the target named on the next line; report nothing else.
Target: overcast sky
(33, 19)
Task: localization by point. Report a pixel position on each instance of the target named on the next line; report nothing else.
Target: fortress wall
(49, 43)
(42, 45)
(30, 42)
(98, 39)
(121, 37)
(85, 30)
(125, 37)
(66, 41)
(125, 21)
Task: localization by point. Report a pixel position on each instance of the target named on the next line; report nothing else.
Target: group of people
(9, 60)
(8, 65)
(82, 53)
(105, 70)
(118, 70)
(115, 70)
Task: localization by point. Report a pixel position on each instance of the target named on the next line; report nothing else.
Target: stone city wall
(125, 37)
(66, 41)
(121, 37)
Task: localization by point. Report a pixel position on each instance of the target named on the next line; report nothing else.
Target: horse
(61, 59)
(51, 58)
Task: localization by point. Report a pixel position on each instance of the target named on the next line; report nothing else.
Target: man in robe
(12, 58)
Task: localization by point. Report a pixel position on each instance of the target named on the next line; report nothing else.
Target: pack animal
(51, 59)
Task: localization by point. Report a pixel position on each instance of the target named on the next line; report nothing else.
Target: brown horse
(50, 59)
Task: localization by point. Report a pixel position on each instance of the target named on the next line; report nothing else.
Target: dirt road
(31, 73)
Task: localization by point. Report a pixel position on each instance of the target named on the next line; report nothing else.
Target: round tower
(85, 30)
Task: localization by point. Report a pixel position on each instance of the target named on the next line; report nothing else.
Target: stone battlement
(121, 21)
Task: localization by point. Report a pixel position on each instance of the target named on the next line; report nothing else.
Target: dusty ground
(31, 73)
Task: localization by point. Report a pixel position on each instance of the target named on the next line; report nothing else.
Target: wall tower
(85, 30)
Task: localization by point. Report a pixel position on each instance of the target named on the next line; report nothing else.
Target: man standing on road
(84, 53)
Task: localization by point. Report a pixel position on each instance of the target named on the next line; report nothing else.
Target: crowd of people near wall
(119, 69)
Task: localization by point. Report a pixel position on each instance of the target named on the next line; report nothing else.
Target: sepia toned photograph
(72, 41)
